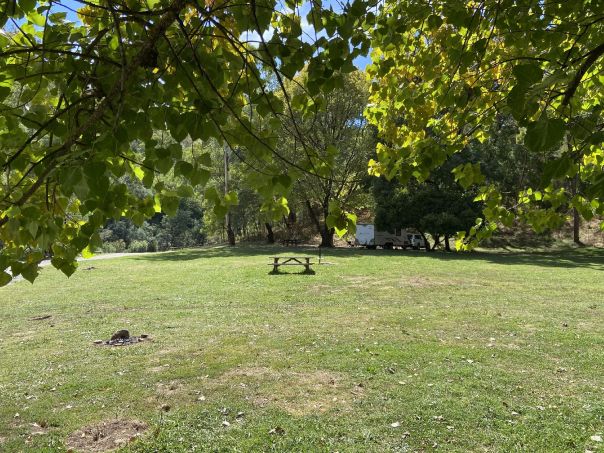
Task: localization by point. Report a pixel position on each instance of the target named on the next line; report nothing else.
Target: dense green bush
(138, 246)
(162, 232)
(118, 246)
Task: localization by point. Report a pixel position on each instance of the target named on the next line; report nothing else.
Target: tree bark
(576, 227)
(326, 236)
(270, 237)
(447, 246)
(230, 233)
(426, 243)
(436, 242)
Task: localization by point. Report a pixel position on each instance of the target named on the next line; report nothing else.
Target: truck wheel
(388, 246)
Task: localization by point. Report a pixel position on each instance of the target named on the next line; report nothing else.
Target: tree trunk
(576, 226)
(447, 246)
(436, 241)
(426, 243)
(270, 237)
(230, 234)
(326, 236)
(326, 233)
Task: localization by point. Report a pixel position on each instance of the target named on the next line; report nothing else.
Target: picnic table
(292, 241)
(291, 261)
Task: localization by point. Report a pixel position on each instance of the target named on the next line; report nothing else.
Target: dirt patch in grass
(419, 282)
(298, 393)
(105, 436)
(168, 389)
(323, 289)
(361, 280)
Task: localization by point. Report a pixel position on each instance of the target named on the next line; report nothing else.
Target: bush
(138, 246)
(152, 246)
(118, 246)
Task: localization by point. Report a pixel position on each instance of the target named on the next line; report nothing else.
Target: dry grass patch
(297, 393)
(105, 436)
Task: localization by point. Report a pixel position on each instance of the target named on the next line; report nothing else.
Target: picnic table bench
(291, 261)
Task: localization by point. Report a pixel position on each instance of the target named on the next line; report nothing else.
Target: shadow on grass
(305, 272)
(589, 258)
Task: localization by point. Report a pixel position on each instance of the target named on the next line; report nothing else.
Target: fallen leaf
(596, 438)
(395, 424)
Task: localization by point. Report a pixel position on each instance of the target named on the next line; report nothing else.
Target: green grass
(479, 352)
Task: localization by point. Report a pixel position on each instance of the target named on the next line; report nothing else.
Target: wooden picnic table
(293, 242)
(291, 261)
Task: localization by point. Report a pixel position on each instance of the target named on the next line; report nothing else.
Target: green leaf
(114, 42)
(205, 159)
(4, 92)
(220, 210)
(185, 191)
(199, 177)
(27, 5)
(5, 278)
(169, 205)
(212, 195)
(36, 18)
(231, 199)
(545, 134)
(557, 168)
(87, 253)
(183, 168)
(528, 73)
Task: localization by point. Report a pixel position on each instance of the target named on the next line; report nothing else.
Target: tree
(77, 93)
(336, 140)
(449, 68)
(438, 207)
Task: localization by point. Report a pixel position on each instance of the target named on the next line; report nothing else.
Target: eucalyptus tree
(335, 139)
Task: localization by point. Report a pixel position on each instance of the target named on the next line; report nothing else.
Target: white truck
(368, 236)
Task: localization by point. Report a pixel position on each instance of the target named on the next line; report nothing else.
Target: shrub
(138, 246)
(114, 246)
(152, 246)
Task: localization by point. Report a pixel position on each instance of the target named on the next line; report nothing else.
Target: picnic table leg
(307, 265)
(275, 265)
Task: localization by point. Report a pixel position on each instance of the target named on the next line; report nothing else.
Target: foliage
(117, 246)
(336, 140)
(138, 246)
(443, 70)
(428, 208)
(116, 91)
(184, 229)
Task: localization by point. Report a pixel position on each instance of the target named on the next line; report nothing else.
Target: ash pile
(122, 338)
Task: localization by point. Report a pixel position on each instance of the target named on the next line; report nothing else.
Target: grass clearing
(381, 351)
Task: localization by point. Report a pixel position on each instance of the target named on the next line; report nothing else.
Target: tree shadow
(589, 258)
(224, 251)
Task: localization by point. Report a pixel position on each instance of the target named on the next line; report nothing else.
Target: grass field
(380, 351)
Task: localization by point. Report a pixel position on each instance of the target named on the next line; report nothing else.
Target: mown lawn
(380, 351)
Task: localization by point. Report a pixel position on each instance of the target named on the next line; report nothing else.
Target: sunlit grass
(380, 351)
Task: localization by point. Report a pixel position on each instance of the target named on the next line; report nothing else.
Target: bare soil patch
(298, 393)
(105, 436)
(419, 282)
(361, 280)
